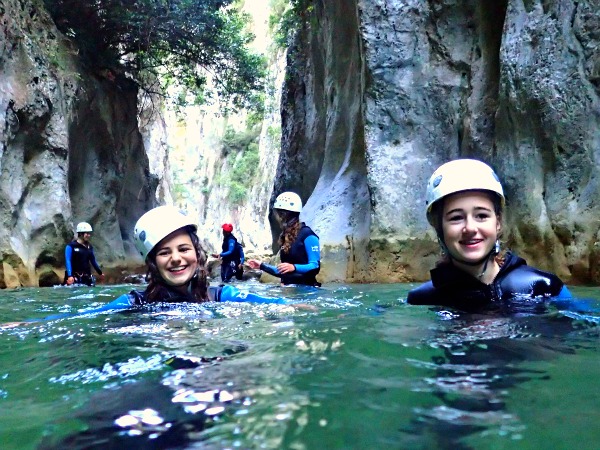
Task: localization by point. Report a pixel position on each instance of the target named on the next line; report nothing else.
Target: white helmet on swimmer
(83, 227)
(290, 201)
(461, 175)
(155, 225)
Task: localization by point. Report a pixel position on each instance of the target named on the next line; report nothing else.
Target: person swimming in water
(168, 242)
(465, 206)
(300, 249)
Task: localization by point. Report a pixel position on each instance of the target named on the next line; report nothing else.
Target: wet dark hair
(158, 290)
(291, 228)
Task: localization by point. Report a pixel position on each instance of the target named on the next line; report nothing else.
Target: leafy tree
(287, 17)
(180, 42)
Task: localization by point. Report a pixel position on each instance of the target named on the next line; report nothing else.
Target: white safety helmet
(155, 225)
(461, 175)
(83, 227)
(290, 201)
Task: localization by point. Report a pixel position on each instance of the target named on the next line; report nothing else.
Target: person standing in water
(465, 206)
(232, 255)
(300, 249)
(79, 257)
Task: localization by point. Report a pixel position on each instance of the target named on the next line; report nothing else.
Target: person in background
(79, 257)
(232, 255)
(465, 206)
(300, 249)
(176, 262)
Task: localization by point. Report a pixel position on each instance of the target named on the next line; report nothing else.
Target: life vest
(297, 255)
(236, 255)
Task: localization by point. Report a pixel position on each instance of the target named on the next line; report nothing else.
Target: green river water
(362, 371)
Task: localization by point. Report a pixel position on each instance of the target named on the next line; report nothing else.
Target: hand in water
(305, 307)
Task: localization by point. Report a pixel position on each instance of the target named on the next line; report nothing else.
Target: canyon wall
(381, 92)
(71, 150)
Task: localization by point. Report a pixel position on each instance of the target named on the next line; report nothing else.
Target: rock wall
(323, 155)
(70, 150)
(381, 92)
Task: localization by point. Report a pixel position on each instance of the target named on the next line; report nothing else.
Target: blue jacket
(232, 251)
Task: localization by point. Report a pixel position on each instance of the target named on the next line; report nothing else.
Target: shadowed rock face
(379, 93)
(70, 151)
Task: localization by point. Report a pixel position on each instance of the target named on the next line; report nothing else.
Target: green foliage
(234, 142)
(287, 17)
(180, 42)
(274, 133)
(244, 147)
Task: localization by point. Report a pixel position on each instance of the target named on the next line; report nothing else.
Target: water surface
(363, 371)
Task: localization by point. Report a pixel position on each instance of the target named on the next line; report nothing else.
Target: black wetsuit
(516, 287)
(79, 259)
(168, 295)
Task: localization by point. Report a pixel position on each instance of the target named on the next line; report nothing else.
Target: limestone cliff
(380, 92)
(70, 150)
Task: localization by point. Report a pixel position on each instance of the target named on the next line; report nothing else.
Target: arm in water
(135, 298)
(232, 294)
(564, 301)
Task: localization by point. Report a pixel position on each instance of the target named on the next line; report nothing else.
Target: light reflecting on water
(364, 370)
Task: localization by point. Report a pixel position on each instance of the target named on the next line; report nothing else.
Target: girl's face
(176, 259)
(470, 226)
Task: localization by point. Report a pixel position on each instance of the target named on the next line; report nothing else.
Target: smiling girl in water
(168, 242)
(465, 204)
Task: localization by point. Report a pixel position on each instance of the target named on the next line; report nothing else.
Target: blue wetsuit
(232, 258)
(78, 258)
(305, 255)
(516, 288)
(216, 294)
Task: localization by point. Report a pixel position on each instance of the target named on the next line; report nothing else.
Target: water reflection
(484, 358)
(363, 371)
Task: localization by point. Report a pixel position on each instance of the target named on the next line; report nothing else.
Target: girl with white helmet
(300, 252)
(167, 241)
(464, 205)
